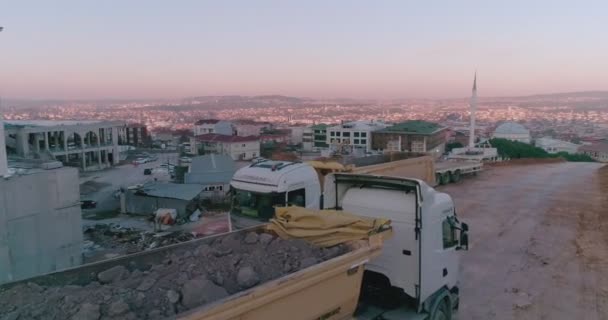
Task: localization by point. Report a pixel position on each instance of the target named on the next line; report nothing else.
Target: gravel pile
(185, 280)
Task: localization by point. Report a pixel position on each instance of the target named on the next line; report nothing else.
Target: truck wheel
(442, 312)
(445, 178)
(456, 176)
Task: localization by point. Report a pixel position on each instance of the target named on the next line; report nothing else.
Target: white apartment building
(207, 126)
(354, 135)
(238, 148)
(556, 146)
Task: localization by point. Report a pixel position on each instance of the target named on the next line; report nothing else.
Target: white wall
(40, 223)
(3, 161)
(243, 150)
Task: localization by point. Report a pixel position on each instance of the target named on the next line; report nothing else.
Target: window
(243, 145)
(338, 134)
(449, 233)
(356, 141)
(332, 133)
(363, 134)
(212, 188)
(296, 198)
(253, 155)
(256, 205)
(220, 188)
(346, 134)
(363, 141)
(356, 134)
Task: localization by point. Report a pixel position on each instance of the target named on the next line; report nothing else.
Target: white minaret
(473, 110)
(3, 161)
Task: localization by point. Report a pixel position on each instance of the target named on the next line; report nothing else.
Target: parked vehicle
(147, 172)
(88, 204)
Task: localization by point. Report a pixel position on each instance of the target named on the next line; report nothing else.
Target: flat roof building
(89, 145)
(411, 136)
(354, 135)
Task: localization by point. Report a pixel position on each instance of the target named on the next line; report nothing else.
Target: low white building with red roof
(237, 147)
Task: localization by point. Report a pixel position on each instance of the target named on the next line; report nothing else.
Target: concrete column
(99, 158)
(37, 142)
(98, 139)
(46, 141)
(115, 153)
(65, 145)
(23, 147)
(107, 157)
(84, 161)
(81, 140)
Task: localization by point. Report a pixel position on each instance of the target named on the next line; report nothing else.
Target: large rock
(117, 308)
(266, 238)
(87, 311)
(199, 291)
(146, 284)
(112, 275)
(247, 277)
(173, 296)
(251, 238)
(307, 262)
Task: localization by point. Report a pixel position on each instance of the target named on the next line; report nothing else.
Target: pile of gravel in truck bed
(184, 280)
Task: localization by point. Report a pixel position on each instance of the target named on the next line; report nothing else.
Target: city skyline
(392, 50)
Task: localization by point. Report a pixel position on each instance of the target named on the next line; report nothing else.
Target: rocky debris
(247, 277)
(199, 291)
(112, 275)
(121, 240)
(251, 238)
(173, 296)
(146, 284)
(87, 311)
(266, 238)
(117, 308)
(183, 279)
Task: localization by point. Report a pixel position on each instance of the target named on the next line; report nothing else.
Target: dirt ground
(539, 242)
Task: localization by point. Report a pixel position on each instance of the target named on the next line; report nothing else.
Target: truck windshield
(256, 205)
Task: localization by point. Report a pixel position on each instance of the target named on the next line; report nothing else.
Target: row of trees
(518, 150)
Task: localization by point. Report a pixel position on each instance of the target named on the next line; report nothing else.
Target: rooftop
(213, 137)
(360, 125)
(320, 126)
(212, 163)
(207, 121)
(601, 146)
(511, 128)
(53, 123)
(414, 126)
(172, 190)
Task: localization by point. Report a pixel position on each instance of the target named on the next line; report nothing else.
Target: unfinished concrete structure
(40, 219)
(89, 145)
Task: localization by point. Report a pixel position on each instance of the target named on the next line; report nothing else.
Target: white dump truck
(407, 272)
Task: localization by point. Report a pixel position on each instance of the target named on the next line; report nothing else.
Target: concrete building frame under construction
(89, 145)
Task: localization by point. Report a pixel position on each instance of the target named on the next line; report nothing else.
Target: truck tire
(442, 311)
(456, 176)
(445, 178)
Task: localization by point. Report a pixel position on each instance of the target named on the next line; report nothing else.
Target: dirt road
(539, 236)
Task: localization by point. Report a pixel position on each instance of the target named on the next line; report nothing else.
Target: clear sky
(324, 48)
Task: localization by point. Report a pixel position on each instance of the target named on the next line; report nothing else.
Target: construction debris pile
(123, 240)
(184, 280)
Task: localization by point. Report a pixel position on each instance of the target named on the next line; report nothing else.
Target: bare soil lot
(539, 236)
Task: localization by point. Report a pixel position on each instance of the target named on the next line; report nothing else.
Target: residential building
(276, 136)
(353, 135)
(239, 148)
(411, 136)
(246, 127)
(556, 146)
(307, 139)
(134, 135)
(40, 218)
(598, 150)
(212, 171)
(512, 131)
(320, 136)
(89, 145)
(216, 126)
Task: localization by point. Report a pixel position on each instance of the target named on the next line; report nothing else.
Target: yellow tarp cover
(326, 165)
(323, 228)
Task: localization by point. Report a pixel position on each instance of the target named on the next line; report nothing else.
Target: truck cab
(261, 186)
(417, 274)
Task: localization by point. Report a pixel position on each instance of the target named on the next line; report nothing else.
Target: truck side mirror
(464, 227)
(464, 240)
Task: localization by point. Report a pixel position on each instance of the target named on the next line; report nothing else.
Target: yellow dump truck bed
(329, 290)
